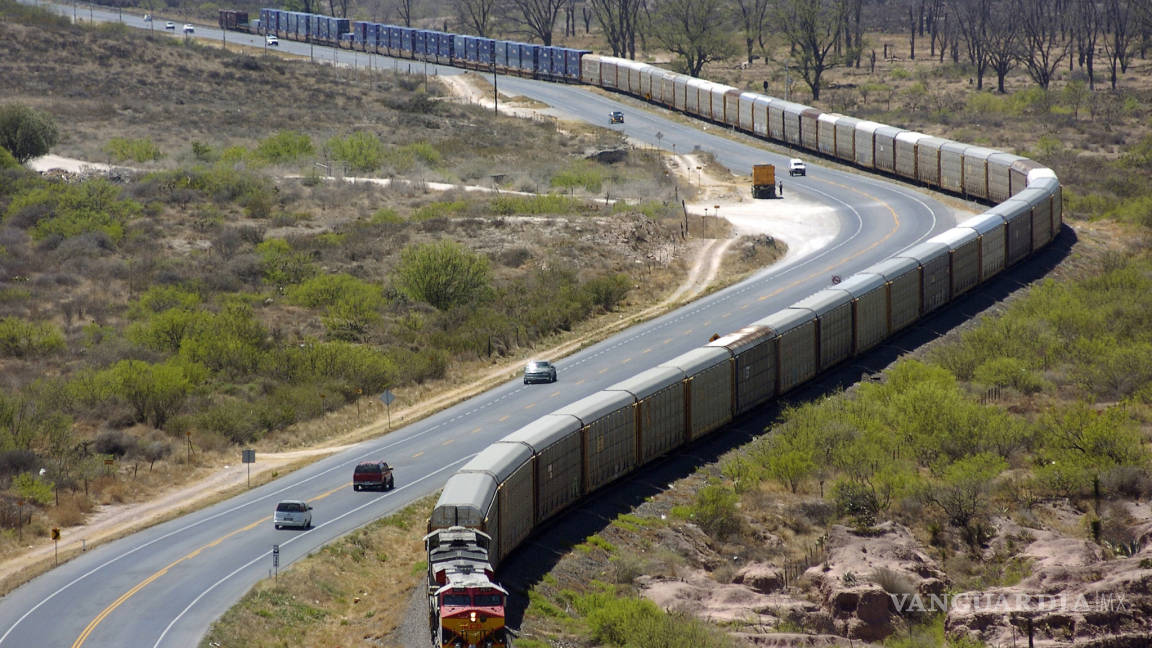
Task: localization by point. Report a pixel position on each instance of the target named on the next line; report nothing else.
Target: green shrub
(282, 265)
(155, 392)
(7, 160)
(1008, 372)
(386, 216)
(283, 147)
(608, 291)
(439, 210)
(581, 173)
(22, 338)
(360, 150)
(331, 289)
(67, 210)
(32, 488)
(507, 205)
(715, 511)
(122, 149)
(26, 133)
(443, 274)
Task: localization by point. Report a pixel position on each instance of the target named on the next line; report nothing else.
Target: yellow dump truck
(763, 181)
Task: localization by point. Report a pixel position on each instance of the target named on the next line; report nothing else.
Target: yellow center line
(448, 442)
(580, 382)
(477, 429)
(688, 332)
(646, 350)
(626, 361)
(418, 454)
(667, 341)
(554, 394)
(503, 418)
(147, 581)
(604, 370)
(530, 406)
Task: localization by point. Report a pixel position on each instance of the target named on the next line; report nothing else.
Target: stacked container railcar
(833, 311)
(1018, 174)
(1000, 176)
(660, 410)
(846, 138)
(1017, 216)
(467, 500)
(989, 227)
(810, 128)
(793, 125)
(952, 166)
(1041, 215)
(708, 380)
(754, 365)
(609, 430)
(866, 144)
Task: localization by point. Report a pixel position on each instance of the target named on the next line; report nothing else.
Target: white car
(796, 167)
(271, 41)
(170, 25)
(188, 28)
(294, 513)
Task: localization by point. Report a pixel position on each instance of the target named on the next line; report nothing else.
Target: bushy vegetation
(142, 149)
(26, 133)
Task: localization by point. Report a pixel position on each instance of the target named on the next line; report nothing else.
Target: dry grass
(352, 592)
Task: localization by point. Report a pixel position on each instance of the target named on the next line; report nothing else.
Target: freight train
(465, 606)
(537, 471)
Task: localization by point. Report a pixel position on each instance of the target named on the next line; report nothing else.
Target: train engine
(465, 606)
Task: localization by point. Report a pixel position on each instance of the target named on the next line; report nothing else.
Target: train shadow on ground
(540, 553)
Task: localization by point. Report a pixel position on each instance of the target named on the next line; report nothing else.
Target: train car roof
(500, 459)
(911, 137)
(954, 237)
(545, 431)
(892, 268)
(859, 285)
(698, 359)
(741, 339)
(925, 251)
(788, 319)
(646, 383)
(823, 302)
(597, 405)
(984, 223)
(465, 500)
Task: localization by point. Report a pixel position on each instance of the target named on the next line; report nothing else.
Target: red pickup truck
(373, 474)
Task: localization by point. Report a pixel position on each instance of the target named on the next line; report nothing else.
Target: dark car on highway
(539, 371)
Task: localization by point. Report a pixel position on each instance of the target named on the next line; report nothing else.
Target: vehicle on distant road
(796, 167)
(272, 41)
(170, 25)
(295, 513)
(188, 28)
(539, 371)
(373, 474)
(615, 117)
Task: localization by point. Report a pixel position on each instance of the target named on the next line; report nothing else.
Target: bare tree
(476, 15)
(339, 8)
(404, 9)
(619, 20)
(538, 17)
(1087, 18)
(973, 17)
(1119, 35)
(813, 29)
(752, 16)
(695, 29)
(1003, 43)
(1040, 23)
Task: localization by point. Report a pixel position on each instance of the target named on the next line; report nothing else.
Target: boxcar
(902, 276)
(964, 257)
(833, 311)
(1000, 176)
(1045, 179)
(510, 516)
(1041, 215)
(869, 293)
(935, 280)
(465, 501)
(760, 121)
(1017, 215)
(1018, 175)
(708, 376)
(660, 409)
(793, 128)
(754, 365)
(928, 159)
(796, 337)
(609, 430)
(696, 98)
(846, 138)
(906, 161)
(590, 70)
(885, 148)
(952, 166)
(810, 128)
(989, 228)
(826, 129)
(558, 467)
(865, 136)
(976, 171)
(745, 122)
(732, 107)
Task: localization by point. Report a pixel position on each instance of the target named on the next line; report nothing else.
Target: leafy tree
(155, 391)
(26, 133)
(698, 30)
(231, 341)
(69, 210)
(30, 487)
(443, 273)
(19, 337)
(715, 511)
(282, 264)
(6, 160)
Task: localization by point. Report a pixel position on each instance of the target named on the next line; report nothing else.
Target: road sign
(248, 456)
(275, 555)
(387, 397)
(55, 533)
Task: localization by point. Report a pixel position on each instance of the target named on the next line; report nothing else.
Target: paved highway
(165, 585)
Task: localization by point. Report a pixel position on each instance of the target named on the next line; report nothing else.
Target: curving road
(165, 585)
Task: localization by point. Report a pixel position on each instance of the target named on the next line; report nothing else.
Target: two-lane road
(163, 586)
